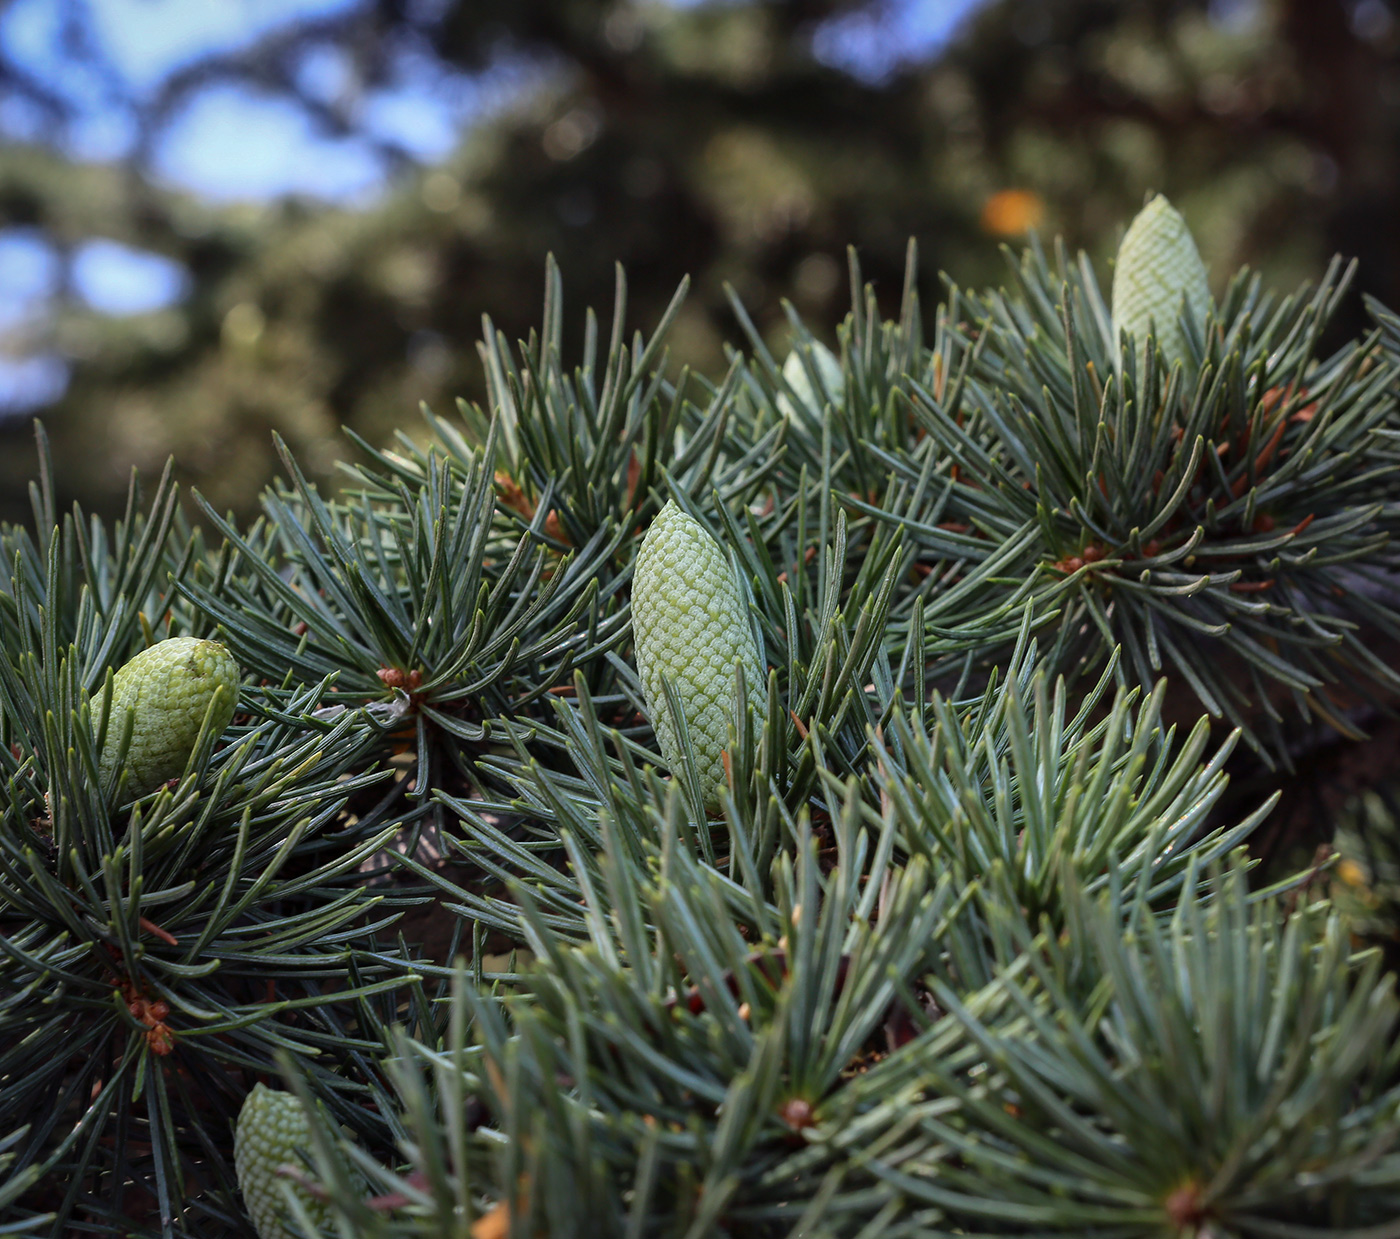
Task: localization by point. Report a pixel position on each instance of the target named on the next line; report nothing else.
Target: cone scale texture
(691, 627)
(271, 1128)
(168, 689)
(1157, 265)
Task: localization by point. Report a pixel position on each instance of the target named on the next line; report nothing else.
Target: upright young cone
(271, 1129)
(1158, 264)
(690, 627)
(795, 373)
(167, 689)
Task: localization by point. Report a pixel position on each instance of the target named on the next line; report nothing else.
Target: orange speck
(553, 529)
(1012, 212)
(494, 1224)
(512, 496)
(1275, 394)
(1351, 873)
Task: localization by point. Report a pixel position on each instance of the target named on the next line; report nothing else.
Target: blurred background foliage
(221, 220)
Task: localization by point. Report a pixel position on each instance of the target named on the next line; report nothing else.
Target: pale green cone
(1158, 264)
(271, 1128)
(795, 372)
(168, 688)
(690, 626)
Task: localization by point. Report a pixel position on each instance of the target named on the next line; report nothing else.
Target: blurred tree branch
(710, 140)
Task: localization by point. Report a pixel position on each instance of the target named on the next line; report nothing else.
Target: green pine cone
(1158, 264)
(690, 626)
(169, 688)
(271, 1128)
(795, 372)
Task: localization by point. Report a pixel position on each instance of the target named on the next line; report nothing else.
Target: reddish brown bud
(797, 1113)
(1183, 1206)
(396, 677)
(553, 528)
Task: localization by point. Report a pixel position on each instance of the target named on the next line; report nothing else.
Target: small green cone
(795, 372)
(271, 1128)
(168, 689)
(690, 626)
(1158, 264)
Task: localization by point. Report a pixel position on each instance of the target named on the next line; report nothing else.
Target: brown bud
(797, 1113)
(1184, 1207)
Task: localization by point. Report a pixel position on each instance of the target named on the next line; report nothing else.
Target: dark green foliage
(1234, 1070)
(1227, 521)
(152, 956)
(1020, 797)
(967, 946)
(710, 1043)
(769, 1072)
(12, 1184)
(593, 445)
(848, 433)
(1365, 883)
(456, 586)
